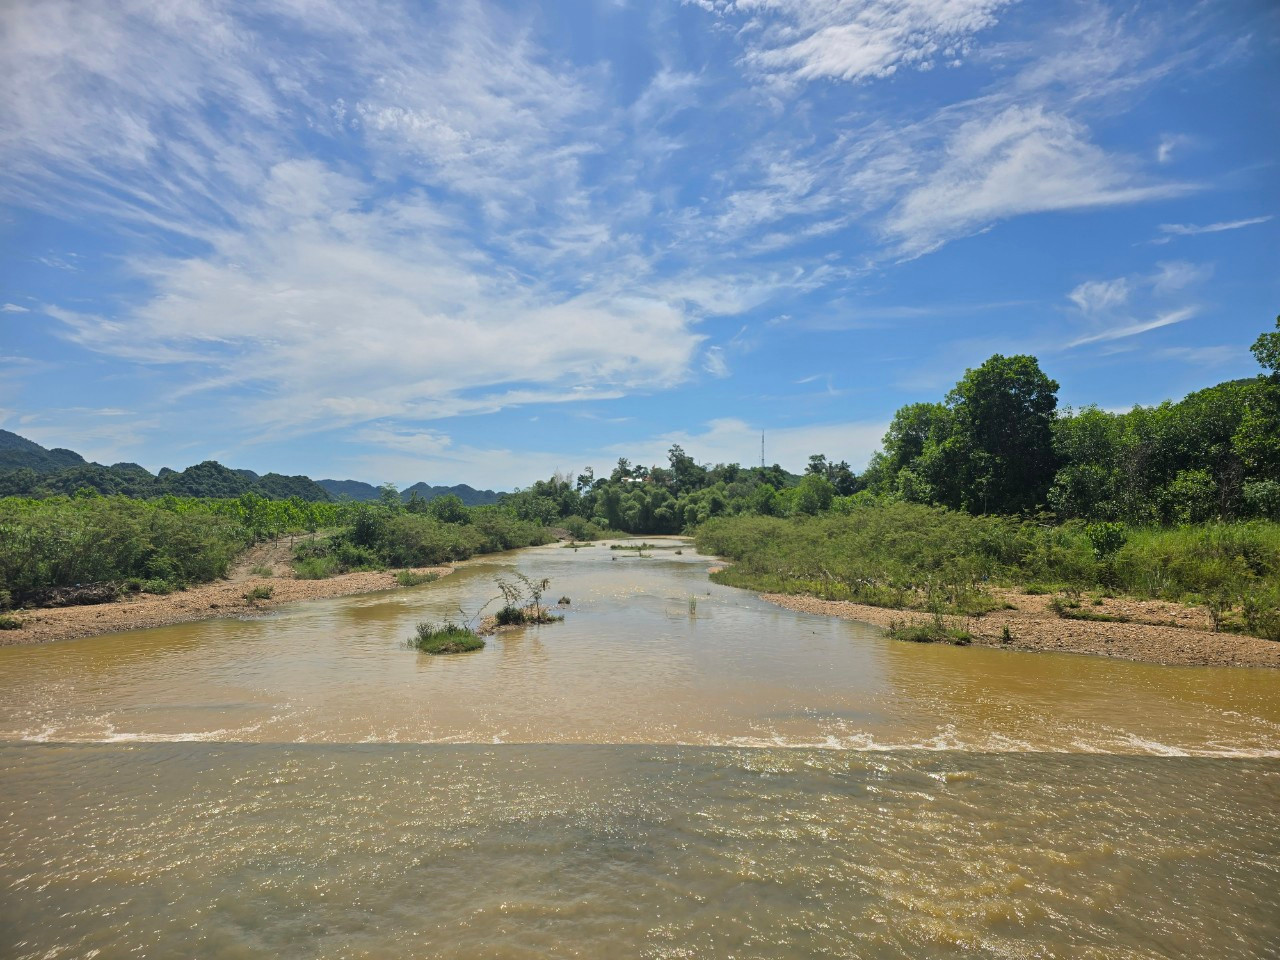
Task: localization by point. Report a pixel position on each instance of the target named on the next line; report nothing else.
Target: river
(678, 769)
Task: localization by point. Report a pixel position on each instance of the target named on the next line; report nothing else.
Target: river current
(676, 770)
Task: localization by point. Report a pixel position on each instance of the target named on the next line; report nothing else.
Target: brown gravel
(1158, 632)
(222, 599)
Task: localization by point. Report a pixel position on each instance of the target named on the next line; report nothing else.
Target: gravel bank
(1157, 632)
(222, 599)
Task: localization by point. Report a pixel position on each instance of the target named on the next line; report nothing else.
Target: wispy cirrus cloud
(815, 39)
(1171, 230)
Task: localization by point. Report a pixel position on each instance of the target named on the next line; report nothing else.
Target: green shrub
(316, 568)
(930, 633)
(160, 588)
(510, 616)
(407, 578)
(9, 623)
(445, 638)
(260, 592)
(581, 528)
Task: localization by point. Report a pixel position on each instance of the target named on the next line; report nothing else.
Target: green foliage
(407, 578)
(158, 586)
(932, 632)
(444, 638)
(262, 571)
(580, 528)
(61, 542)
(902, 555)
(316, 568)
(260, 592)
(510, 615)
(1266, 350)
(1071, 610)
(8, 622)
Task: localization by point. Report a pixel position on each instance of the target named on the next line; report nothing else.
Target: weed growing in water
(447, 637)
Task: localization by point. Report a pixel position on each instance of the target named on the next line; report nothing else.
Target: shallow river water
(676, 770)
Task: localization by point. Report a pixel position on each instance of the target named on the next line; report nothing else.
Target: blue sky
(478, 243)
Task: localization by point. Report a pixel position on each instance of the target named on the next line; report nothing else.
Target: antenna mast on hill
(761, 449)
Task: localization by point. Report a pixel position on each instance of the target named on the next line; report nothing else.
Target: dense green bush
(62, 542)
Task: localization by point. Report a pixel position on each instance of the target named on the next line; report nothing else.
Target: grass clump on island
(447, 637)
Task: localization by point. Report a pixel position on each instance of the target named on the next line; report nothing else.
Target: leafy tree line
(998, 444)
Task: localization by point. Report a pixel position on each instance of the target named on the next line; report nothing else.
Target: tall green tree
(1002, 440)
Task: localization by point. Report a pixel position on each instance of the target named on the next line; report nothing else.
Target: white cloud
(1191, 230)
(730, 440)
(1018, 161)
(1133, 329)
(828, 39)
(13, 308)
(1093, 296)
(345, 312)
(714, 362)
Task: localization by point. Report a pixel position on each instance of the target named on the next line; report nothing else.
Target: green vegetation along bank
(908, 556)
(69, 550)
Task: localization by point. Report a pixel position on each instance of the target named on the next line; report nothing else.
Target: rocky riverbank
(1153, 631)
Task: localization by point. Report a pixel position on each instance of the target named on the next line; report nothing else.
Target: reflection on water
(649, 778)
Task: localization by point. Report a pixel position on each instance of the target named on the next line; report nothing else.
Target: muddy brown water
(676, 770)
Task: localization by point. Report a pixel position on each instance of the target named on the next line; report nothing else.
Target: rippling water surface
(677, 770)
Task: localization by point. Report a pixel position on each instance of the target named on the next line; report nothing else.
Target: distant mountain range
(28, 469)
(359, 490)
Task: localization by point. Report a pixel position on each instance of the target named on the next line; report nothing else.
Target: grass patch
(407, 578)
(629, 546)
(315, 568)
(1071, 610)
(443, 638)
(260, 592)
(930, 633)
(9, 623)
(262, 571)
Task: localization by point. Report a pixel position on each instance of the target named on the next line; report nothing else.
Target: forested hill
(28, 469)
(470, 496)
(368, 493)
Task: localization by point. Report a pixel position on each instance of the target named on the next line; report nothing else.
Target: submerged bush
(445, 638)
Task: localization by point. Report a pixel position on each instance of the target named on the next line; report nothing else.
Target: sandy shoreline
(1164, 633)
(224, 598)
